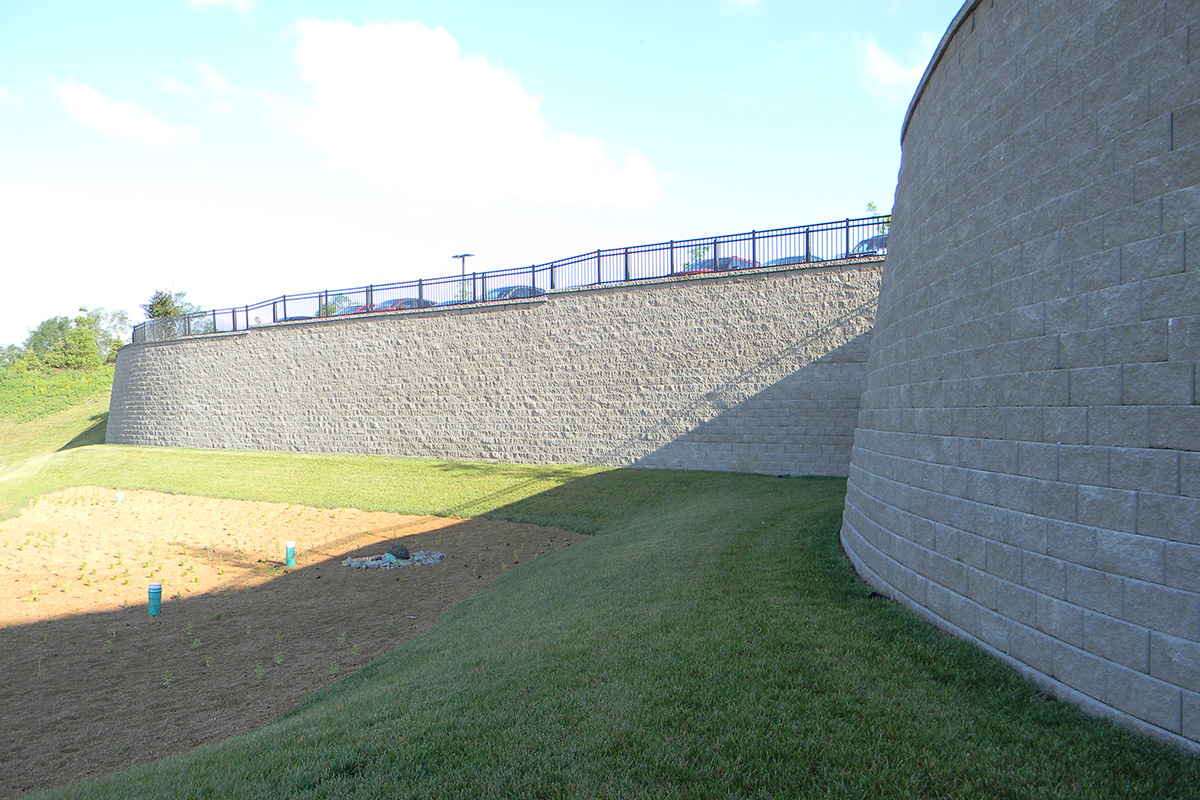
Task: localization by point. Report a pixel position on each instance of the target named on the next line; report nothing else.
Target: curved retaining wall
(1025, 469)
(756, 372)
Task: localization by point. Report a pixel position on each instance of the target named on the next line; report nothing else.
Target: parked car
(792, 260)
(875, 246)
(341, 312)
(514, 293)
(404, 303)
(722, 265)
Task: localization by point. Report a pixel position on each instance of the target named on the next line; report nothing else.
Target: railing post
(214, 313)
(807, 245)
(627, 278)
(847, 238)
(420, 290)
(672, 257)
(753, 247)
(552, 287)
(284, 307)
(598, 279)
(187, 325)
(716, 255)
(474, 294)
(370, 297)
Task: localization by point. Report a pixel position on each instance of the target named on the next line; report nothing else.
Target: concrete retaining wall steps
(1025, 468)
(759, 372)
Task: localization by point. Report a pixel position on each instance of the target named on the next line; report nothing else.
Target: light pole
(462, 262)
(462, 283)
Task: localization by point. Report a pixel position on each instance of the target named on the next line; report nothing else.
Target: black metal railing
(781, 247)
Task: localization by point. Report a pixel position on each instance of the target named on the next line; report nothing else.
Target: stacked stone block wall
(1025, 471)
(757, 372)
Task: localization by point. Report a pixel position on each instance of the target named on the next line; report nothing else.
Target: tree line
(88, 340)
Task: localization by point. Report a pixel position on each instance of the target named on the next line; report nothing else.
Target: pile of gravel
(389, 561)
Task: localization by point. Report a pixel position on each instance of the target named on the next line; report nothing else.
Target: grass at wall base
(710, 640)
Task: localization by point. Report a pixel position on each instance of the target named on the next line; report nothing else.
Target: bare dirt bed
(92, 684)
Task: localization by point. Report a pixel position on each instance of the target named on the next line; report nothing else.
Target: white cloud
(397, 105)
(210, 77)
(884, 75)
(172, 86)
(125, 121)
(244, 6)
(8, 97)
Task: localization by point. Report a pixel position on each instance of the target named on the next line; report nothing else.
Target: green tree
(873, 210)
(333, 305)
(696, 255)
(111, 329)
(164, 304)
(46, 336)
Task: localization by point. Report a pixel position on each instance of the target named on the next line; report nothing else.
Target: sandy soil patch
(92, 684)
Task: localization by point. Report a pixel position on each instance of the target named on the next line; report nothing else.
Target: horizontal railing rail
(780, 247)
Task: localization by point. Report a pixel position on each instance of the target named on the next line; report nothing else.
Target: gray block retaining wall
(1025, 471)
(756, 372)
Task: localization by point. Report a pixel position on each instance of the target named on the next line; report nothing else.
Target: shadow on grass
(94, 434)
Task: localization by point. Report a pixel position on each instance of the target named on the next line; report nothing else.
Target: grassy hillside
(709, 641)
(41, 412)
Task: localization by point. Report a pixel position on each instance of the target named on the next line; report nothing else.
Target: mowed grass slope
(710, 640)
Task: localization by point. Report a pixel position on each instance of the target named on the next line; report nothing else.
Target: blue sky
(240, 149)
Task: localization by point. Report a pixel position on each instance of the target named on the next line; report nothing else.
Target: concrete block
(1175, 660)
(1176, 428)
(1191, 715)
(1072, 543)
(1182, 566)
(1162, 609)
(1055, 500)
(1094, 589)
(1141, 468)
(1095, 386)
(1114, 509)
(1128, 554)
(1079, 669)
(1170, 297)
(1146, 698)
(1160, 384)
(1083, 465)
(1044, 575)
(1117, 641)
(1061, 620)
(1119, 426)
(1169, 517)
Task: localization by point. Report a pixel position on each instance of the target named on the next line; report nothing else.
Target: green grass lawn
(710, 640)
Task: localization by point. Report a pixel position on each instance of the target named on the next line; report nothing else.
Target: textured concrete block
(1163, 609)
(1117, 641)
(1175, 660)
(1148, 470)
(1169, 517)
(1146, 698)
(1115, 509)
